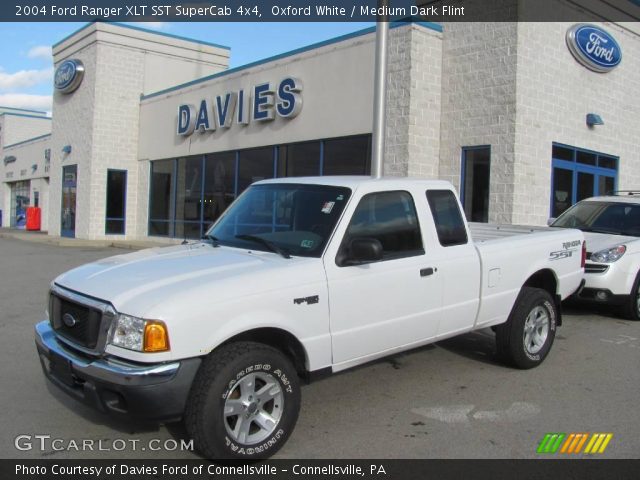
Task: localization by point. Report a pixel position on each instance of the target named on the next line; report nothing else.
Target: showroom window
(188, 194)
(578, 174)
(116, 201)
(476, 162)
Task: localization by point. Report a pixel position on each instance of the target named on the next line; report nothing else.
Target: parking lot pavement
(449, 400)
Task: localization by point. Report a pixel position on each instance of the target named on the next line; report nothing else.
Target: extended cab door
(388, 303)
(458, 262)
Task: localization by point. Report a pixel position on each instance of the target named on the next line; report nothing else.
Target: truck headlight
(140, 335)
(609, 255)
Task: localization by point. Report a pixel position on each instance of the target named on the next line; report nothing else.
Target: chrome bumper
(103, 369)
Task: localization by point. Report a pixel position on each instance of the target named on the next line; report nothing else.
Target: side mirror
(550, 221)
(362, 250)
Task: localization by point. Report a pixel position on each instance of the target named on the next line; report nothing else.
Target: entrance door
(19, 204)
(68, 216)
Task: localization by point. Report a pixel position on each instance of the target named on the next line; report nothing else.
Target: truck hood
(135, 282)
(600, 241)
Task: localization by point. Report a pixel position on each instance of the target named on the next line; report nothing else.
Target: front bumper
(601, 295)
(153, 392)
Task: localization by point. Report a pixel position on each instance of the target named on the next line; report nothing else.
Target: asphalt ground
(448, 400)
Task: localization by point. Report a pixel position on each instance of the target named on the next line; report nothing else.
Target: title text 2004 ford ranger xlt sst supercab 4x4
(299, 276)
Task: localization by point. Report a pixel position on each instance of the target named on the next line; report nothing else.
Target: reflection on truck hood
(135, 282)
(600, 241)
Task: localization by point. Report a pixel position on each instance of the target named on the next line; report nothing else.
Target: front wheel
(244, 402)
(526, 338)
(631, 309)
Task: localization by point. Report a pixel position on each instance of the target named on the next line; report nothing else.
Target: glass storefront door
(19, 203)
(68, 214)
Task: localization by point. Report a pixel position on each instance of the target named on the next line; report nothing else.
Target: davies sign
(262, 103)
(593, 47)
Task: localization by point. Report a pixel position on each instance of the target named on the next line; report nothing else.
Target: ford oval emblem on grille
(69, 320)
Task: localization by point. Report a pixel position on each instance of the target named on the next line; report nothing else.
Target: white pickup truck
(298, 278)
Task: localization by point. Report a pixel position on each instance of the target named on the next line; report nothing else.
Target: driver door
(394, 302)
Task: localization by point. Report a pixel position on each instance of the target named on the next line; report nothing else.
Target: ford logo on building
(69, 320)
(68, 76)
(593, 47)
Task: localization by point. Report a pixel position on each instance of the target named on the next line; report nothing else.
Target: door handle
(425, 272)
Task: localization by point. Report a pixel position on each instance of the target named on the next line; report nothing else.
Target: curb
(79, 243)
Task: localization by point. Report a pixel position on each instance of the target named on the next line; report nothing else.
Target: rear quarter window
(447, 217)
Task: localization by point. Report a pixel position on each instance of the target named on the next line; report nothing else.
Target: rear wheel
(244, 402)
(631, 310)
(526, 338)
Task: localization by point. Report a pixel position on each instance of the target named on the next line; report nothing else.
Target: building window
(116, 201)
(219, 185)
(347, 156)
(162, 199)
(476, 163)
(188, 205)
(299, 159)
(579, 174)
(255, 165)
(188, 194)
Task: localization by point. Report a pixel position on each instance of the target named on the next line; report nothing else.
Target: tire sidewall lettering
(255, 449)
(265, 445)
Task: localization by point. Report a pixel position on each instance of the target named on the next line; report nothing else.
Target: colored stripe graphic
(598, 443)
(573, 443)
(550, 442)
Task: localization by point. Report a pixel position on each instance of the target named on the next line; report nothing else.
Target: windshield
(286, 218)
(602, 217)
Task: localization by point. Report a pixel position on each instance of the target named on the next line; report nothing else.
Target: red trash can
(33, 218)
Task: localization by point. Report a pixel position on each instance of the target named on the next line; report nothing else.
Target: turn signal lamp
(156, 337)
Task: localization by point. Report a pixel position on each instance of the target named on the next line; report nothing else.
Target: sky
(26, 68)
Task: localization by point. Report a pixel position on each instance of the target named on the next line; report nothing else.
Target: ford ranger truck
(299, 277)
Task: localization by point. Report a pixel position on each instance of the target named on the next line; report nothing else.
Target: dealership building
(153, 135)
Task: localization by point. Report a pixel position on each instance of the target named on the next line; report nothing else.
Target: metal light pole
(379, 90)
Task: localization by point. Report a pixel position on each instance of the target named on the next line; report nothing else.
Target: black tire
(224, 378)
(631, 309)
(511, 341)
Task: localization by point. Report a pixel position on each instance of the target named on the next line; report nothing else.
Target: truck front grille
(74, 321)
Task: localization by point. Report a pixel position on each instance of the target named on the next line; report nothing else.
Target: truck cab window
(447, 217)
(390, 218)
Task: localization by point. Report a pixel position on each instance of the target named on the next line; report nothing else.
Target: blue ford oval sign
(68, 76)
(593, 47)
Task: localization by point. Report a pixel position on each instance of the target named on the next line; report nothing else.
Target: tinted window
(389, 217)
(255, 165)
(116, 192)
(347, 156)
(447, 217)
(219, 184)
(299, 160)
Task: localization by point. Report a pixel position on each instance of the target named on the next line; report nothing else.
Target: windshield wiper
(270, 245)
(214, 241)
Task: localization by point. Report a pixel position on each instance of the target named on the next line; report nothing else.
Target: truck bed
(485, 232)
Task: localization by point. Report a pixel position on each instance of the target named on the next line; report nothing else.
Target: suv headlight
(140, 335)
(609, 255)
